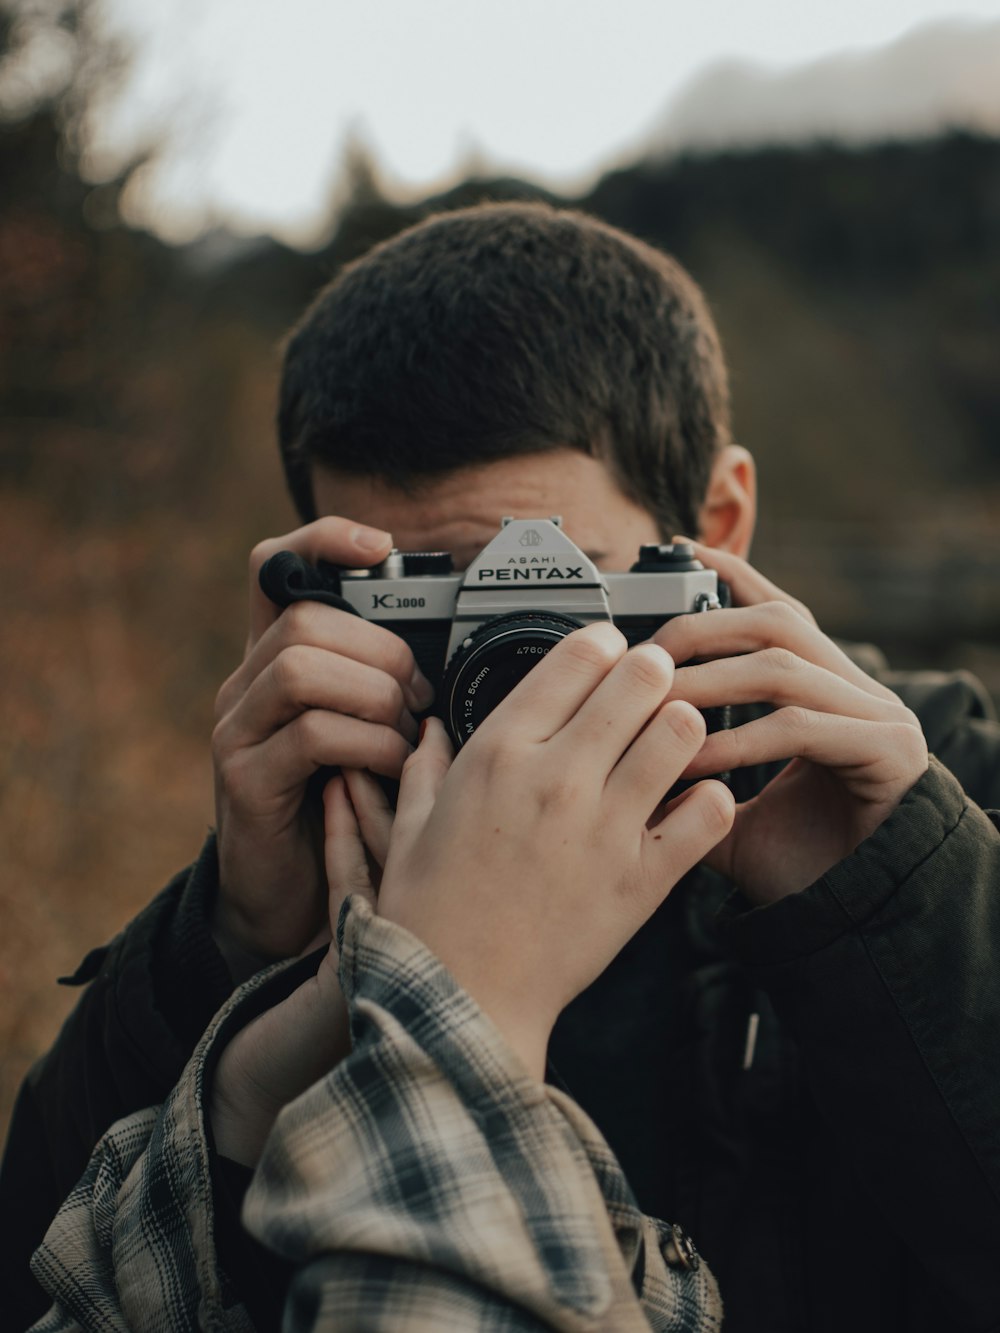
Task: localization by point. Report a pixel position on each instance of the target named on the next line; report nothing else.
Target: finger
(343, 850)
(721, 857)
(747, 585)
(610, 719)
(302, 677)
(373, 811)
(875, 751)
(656, 759)
(342, 541)
(750, 629)
(665, 806)
(423, 777)
(697, 821)
(353, 637)
(552, 692)
(279, 766)
(777, 676)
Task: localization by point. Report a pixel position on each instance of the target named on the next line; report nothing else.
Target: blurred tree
(58, 64)
(96, 321)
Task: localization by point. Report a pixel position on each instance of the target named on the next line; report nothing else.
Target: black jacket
(811, 1088)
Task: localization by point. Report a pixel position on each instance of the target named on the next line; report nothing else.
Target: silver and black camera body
(477, 633)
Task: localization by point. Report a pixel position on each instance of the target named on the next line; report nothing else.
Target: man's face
(461, 512)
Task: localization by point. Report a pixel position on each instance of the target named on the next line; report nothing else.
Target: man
(805, 1079)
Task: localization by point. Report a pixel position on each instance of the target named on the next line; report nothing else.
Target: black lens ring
(551, 626)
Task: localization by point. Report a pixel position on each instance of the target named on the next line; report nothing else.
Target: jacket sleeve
(959, 720)
(149, 996)
(885, 972)
(427, 1183)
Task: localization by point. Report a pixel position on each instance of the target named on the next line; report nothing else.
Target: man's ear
(729, 513)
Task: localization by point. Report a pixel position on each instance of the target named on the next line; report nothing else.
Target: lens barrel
(491, 661)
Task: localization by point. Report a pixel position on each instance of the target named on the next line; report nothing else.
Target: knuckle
(685, 721)
(797, 718)
(382, 748)
(310, 730)
(494, 745)
(358, 880)
(680, 636)
(290, 672)
(222, 699)
(650, 667)
(389, 751)
(910, 738)
(676, 630)
(492, 753)
(398, 657)
(297, 622)
(782, 613)
(781, 659)
(219, 745)
(910, 720)
(390, 702)
(233, 777)
(587, 651)
(559, 793)
(731, 747)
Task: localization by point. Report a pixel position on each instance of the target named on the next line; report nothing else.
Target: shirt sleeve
(149, 995)
(427, 1183)
(885, 973)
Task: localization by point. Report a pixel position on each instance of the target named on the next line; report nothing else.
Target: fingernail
(679, 537)
(423, 728)
(371, 539)
(421, 689)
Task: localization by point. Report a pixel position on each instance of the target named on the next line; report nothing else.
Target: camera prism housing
(477, 633)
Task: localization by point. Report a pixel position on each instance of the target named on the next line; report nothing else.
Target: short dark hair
(508, 329)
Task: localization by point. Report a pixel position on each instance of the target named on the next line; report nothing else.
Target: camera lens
(491, 661)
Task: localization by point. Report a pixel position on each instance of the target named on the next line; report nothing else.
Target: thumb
(343, 850)
(423, 775)
(372, 811)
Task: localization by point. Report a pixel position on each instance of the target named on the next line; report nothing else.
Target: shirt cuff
(431, 1147)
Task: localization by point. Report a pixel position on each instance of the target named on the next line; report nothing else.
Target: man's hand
(527, 863)
(317, 687)
(275, 1058)
(855, 750)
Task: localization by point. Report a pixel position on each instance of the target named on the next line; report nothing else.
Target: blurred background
(176, 182)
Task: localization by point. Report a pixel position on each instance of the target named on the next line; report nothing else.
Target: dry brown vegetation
(115, 637)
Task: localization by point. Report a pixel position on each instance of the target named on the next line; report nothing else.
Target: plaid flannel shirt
(426, 1184)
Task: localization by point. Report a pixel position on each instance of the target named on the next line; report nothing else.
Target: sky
(254, 102)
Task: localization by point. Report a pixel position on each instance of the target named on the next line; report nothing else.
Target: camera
(477, 633)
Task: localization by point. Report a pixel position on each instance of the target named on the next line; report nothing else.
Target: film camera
(476, 634)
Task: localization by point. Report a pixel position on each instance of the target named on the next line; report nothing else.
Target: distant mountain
(936, 78)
